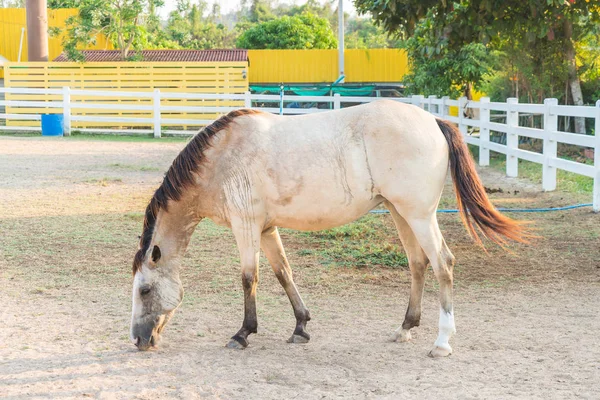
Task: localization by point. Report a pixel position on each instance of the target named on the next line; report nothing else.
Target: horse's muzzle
(144, 344)
(144, 336)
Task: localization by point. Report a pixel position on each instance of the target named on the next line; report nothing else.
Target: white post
(430, 104)
(445, 109)
(596, 197)
(462, 104)
(341, 38)
(484, 131)
(156, 112)
(512, 139)
(66, 110)
(247, 100)
(418, 100)
(550, 146)
(337, 103)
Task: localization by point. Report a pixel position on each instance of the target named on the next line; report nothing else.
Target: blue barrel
(52, 124)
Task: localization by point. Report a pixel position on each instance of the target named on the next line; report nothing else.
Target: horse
(253, 172)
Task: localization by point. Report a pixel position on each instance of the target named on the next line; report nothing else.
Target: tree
(121, 21)
(305, 31)
(440, 69)
(362, 33)
(189, 29)
(260, 11)
(484, 20)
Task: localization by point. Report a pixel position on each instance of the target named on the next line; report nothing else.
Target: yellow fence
(12, 20)
(222, 77)
(321, 66)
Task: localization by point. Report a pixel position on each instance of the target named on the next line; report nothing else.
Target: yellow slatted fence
(181, 77)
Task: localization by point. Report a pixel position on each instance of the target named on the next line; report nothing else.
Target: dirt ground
(71, 211)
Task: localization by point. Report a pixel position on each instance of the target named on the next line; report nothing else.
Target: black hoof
(237, 342)
(299, 337)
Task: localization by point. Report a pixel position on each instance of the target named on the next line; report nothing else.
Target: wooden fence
(158, 111)
(98, 80)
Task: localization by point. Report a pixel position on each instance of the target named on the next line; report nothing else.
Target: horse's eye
(145, 291)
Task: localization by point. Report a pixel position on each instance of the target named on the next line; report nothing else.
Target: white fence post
(337, 103)
(156, 113)
(550, 146)
(247, 100)
(66, 110)
(596, 197)
(462, 103)
(445, 111)
(430, 104)
(512, 139)
(418, 100)
(484, 131)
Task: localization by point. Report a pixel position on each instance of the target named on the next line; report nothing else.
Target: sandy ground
(70, 213)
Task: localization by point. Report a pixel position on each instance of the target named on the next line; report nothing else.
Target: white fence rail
(486, 122)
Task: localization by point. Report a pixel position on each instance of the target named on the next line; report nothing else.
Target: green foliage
(260, 11)
(55, 4)
(533, 40)
(363, 243)
(362, 33)
(479, 20)
(120, 20)
(438, 69)
(305, 31)
(188, 28)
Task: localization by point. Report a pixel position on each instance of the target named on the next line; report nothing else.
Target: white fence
(549, 112)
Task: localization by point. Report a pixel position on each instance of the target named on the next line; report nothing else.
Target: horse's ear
(155, 254)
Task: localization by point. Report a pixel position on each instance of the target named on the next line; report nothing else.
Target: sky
(232, 5)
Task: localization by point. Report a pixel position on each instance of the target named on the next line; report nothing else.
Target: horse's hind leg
(417, 261)
(427, 232)
(271, 245)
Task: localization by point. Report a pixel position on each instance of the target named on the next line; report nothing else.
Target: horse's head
(157, 292)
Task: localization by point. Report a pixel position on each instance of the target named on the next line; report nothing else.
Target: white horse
(253, 172)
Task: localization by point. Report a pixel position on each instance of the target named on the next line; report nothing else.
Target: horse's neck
(174, 229)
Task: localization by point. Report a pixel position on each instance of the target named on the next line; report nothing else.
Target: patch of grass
(567, 181)
(130, 167)
(363, 243)
(105, 181)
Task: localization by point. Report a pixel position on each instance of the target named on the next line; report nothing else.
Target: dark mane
(179, 177)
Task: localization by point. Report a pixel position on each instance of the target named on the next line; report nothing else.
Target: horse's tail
(473, 203)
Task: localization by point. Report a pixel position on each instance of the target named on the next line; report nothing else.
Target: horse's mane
(179, 177)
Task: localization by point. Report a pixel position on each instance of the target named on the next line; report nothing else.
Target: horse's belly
(316, 213)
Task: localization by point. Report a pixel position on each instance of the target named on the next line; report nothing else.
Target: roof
(165, 55)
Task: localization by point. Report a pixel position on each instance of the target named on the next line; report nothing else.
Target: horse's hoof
(298, 339)
(440, 352)
(237, 343)
(401, 337)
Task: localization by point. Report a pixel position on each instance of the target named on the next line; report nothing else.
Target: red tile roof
(165, 55)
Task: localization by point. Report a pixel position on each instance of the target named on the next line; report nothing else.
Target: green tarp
(316, 90)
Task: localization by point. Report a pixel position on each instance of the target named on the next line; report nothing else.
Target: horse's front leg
(271, 245)
(248, 241)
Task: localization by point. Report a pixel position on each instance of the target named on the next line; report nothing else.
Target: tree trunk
(573, 78)
(469, 91)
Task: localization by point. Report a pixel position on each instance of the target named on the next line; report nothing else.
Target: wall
(321, 66)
